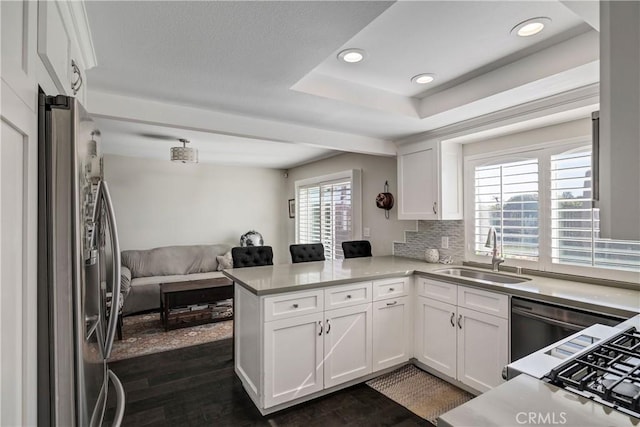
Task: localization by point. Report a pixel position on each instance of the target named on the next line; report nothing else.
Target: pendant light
(184, 154)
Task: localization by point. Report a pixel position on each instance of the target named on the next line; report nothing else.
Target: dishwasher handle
(548, 320)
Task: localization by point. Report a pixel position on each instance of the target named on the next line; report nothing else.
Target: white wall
(375, 171)
(160, 203)
(559, 132)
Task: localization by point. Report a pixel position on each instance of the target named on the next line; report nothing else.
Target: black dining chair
(251, 256)
(356, 249)
(307, 252)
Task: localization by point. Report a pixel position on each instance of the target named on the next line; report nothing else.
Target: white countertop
(512, 403)
(293, 277)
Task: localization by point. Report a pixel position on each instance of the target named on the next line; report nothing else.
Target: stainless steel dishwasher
(536, 324)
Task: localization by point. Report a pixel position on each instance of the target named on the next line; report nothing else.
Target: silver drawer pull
(328, 326)
(392, 303)
(321, 328)
(295, 305)
(391, 289)
(460, 321)
(348, 296)
(451, 320)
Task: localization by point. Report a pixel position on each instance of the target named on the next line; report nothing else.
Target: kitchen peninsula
(304, 330)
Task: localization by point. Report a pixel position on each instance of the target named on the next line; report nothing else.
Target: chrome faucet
(495, 259)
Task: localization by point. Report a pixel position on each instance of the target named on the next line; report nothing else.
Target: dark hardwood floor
(196, 386)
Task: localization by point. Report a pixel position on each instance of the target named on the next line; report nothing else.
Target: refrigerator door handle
(105, 196)
(117, 419)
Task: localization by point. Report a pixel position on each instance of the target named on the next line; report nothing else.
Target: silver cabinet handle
(460, 321)
(435, 207)
(105, 197)
(392, 303)
(348, 296)
(75, 85)
(391, 289)
(321, 328)
(295, 305)
(328, 326)
(451, 320)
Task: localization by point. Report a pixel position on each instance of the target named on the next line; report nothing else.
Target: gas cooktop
(608, 373)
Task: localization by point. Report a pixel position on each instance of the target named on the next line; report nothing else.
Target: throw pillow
(224, 261)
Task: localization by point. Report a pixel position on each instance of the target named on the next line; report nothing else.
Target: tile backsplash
(429, 235)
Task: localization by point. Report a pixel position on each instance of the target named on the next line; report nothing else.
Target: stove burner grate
(610, 372)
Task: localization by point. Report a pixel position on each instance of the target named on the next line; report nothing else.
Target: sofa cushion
(225, 261)
(125, 280)
(173, 260)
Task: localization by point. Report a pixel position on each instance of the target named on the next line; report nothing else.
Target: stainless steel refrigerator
(78, 270)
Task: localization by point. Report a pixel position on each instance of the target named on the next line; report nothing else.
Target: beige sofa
(144, 270)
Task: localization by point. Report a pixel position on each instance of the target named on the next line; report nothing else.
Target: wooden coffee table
(193, 302)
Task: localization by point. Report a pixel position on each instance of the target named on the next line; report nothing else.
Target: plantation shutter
(575, 227)
(506, 198)
(325, 215)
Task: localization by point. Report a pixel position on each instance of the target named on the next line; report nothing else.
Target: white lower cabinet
(306, 353)
(482, 349)
(296, 344)
(435, 335)
(392, 332)
(293, 353)
(347, 344)
(465, 344)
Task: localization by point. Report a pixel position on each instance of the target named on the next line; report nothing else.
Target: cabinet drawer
(347, 295)
(292, 305)
(441, 291)
(484, 301)
(390, 288)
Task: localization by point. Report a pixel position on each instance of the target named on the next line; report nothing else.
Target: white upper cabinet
(18, 49)
(619, 125)
(65, 46)
(430, 181)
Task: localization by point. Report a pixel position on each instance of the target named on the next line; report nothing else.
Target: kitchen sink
(482, 276)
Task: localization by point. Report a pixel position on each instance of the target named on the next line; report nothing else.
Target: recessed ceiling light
(351, 55)
(423, 78)
(530, 27)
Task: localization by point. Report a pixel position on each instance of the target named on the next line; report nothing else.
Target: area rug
(144, 334)
(421, 393)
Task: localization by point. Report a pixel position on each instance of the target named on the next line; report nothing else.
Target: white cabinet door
(482, 349)
(18, 49)
(54, 44)
(292, 358)
(418, 183)
(347, 344)
(435, 335)
(392, 330)
(430, 181)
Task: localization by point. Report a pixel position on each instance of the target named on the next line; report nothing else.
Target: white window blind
(506, 198)
(325, 215)
(575, 225)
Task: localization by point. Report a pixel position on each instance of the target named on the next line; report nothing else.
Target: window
(328, 211)
(539, 203)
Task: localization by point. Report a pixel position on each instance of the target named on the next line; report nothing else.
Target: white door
(418, 183)
(292, 358)
(391, 332)
(347, 344)
(482, 349)
(435, 339)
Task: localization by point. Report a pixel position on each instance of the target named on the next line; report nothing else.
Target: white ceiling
(276, 61)
(152, 141)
